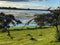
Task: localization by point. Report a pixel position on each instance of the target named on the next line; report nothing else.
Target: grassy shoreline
(42, 36)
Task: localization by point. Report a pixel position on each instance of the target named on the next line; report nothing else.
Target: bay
(23, 15)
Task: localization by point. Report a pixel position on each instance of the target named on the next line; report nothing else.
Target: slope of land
(30, 36)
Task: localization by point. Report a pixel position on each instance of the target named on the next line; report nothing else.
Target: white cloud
(22, 0)
(21, 5)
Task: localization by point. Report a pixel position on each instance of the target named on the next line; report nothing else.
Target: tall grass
(43, 36)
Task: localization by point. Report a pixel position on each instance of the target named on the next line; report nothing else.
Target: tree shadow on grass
(29, 28)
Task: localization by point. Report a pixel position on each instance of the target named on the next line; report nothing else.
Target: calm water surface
(23, 18)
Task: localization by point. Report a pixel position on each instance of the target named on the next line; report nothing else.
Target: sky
(35, 4)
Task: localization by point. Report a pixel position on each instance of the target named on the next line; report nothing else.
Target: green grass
(43, 36)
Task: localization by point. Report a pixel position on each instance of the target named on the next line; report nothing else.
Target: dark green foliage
(5, 20)
(52, 18)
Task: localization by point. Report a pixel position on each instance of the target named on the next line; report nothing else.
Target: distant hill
(14, 8)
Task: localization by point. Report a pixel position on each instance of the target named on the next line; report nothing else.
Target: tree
(5, 20)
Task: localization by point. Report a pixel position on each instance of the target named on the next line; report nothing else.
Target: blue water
(27, 25)
(20, 25)
(35, 11)
(23, 19)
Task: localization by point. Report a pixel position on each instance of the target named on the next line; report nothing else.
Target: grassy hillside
(30, 36)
